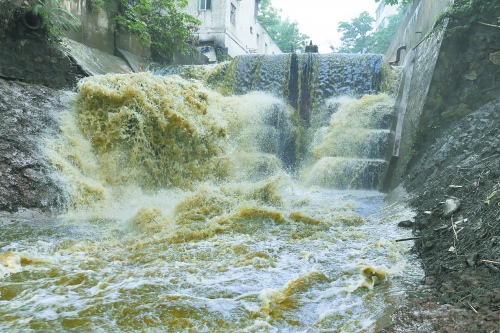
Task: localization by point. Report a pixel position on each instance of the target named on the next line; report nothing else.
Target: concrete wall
(445, 77)
(245, 36)
(418, 71)
(419, 18)
(97, 29)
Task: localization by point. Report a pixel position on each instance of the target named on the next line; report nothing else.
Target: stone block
(470, 75)
(495, 58)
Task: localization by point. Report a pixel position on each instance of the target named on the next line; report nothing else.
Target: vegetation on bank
(55, 18)
(159, 24)
(462, 14)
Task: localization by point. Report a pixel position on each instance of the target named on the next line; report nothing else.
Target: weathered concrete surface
(446, 77)
(94, 61)
(98, 29)
(419, 18)
(418, 70)
(28, 114)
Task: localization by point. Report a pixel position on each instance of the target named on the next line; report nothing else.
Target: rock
(495, 58)
(429, 244)
(405, 224)
(29, 113)
(450, 206)
(470, 75)
(474, 65)
(471, 259)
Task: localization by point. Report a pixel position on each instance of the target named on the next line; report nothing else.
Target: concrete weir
(350, 135)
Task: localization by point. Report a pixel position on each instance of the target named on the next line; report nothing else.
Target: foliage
(463, 13)
(285, 33)
(56, 19)
(160, 24)
(222, 56)
(98, 5)
(355, 33)
(381, 39)
(358, 38)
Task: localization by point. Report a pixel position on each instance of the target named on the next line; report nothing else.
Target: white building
(230, 26)
(382, 12)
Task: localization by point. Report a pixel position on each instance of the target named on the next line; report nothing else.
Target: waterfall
(311, 83)
(220, 199)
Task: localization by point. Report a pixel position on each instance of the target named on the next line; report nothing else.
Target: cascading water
(184, 215)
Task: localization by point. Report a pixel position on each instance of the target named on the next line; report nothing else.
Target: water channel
(236, 198)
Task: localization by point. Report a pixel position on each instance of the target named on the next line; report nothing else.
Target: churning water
(194, 211)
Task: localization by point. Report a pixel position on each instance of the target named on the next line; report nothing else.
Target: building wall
(383, 11)
(245, 36)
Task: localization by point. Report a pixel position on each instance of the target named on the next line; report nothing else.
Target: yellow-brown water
(180, 223)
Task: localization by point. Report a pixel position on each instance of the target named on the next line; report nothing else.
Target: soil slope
(460, 250)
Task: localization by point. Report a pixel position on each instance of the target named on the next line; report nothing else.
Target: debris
(450, 206)
(487, 201)
(454, 230)
(456, 186)
(452, 249)
(443, 227)
(407, 239)
(472, 308)
(429, 244)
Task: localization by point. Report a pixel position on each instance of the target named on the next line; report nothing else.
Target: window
(232, 18)
(204, 4)
(265, 48)
(258, 39)
(251, 30)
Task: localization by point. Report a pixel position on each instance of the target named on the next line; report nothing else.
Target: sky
(319, 18)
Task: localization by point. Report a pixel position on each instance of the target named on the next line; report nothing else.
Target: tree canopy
(160, 24)
(285, 33)
(358, 36)
(355, 33)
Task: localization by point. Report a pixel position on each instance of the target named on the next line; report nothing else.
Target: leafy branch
(56, 19)
(160, 24)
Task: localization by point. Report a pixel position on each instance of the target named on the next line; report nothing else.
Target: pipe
(32, 21)
(398, 55)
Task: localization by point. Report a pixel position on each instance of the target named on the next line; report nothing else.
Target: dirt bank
(459, 249)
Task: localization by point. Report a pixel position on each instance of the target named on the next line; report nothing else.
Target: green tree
(160, 24)
(355, 33)
(56, 19)
(380, 40)
(285, 33)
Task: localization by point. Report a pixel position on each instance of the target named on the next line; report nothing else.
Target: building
(230, 27)
(383, 11)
